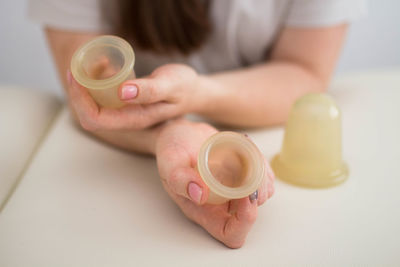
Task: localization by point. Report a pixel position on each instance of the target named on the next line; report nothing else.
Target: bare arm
(302, 61)
(63, 45)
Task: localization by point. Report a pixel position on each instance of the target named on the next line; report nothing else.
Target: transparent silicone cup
(236, 153)
(311, 154)
(101, 65)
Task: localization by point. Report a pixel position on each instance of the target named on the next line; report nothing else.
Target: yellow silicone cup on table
(101, 65)
(311, 154)
(231, 166)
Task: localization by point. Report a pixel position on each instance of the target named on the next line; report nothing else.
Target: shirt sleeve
(317, 13)
(74, 15)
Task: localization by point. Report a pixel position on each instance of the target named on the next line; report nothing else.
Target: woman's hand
(165, 94)
(109, 124)
(169, 91)
(176, 153)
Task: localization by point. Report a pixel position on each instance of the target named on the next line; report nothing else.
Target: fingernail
(69, 77)
(253, 196)
(195, 192)
(129, 92)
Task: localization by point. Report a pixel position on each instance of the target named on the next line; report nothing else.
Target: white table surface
(20, 137)
(82, 203)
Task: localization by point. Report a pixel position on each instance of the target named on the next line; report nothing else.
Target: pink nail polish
(129, 92)
(195, 192)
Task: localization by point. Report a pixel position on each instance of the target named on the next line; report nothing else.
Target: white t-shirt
(243, 30)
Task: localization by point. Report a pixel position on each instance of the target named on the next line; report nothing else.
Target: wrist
(162, 130)
(154, 139)
(178, 130)
(208, 93)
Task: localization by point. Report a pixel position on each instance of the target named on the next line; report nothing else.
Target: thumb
(144, 91)
(187, 183)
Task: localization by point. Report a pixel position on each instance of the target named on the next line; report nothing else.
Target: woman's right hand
(93, 117)
(115, 126)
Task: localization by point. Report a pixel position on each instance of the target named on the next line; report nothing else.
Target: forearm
(302, 61)
(148, 140)
(62, 45)
(142, 141)
(257, 96)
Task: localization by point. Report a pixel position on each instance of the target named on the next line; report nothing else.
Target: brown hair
(163, 26)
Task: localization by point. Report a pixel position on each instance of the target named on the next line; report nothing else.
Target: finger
(156, 87)
(270, 180)
(262, 192)
(134, 117)
(186, 182)
(102, 69)
(144, 91)
(81, 101)
(266, 190)
(244, 214)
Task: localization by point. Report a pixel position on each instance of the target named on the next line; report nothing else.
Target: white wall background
(373, 43)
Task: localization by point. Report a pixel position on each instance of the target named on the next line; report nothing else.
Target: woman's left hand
(176, 152)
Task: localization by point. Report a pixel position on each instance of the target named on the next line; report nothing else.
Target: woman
(239, 63)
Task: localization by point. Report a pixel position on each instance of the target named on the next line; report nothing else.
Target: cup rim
(256, 159)
(105, 40)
